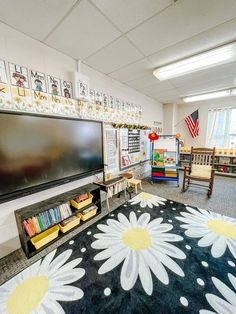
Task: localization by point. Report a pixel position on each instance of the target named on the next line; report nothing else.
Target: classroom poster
(38, 81)
(111, 150)
(21, 94)
(5, 92)
(98, 98)
(5, 96)
(111, 102)
(105, 100)
(18, 76)
(54, 86)
(66, 89)
(92, 96)
(3, 73)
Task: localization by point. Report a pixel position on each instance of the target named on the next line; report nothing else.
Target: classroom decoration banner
(31, 90)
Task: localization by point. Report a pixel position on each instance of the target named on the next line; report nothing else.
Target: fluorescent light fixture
(212, 95)
(198, 62)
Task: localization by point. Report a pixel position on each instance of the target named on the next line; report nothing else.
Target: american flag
(192, 122)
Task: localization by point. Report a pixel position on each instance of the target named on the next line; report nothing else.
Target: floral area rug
(151, 255)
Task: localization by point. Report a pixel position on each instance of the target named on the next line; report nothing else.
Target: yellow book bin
(82, 204)
(70, 225)
(85, 214)
(45, 237)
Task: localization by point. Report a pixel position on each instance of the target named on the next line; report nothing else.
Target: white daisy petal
(113, 261)
(145, 276)
(144, 219)
(51, 307)
(156, 266)
(226, 292)
(232, 247)
(207, 239)
(69, 277)
(47, 260)
(133, 219)
(129, 271)
(195, 234)
(232, 279)
(110, 251)
(155, 223)
(108, 229)
(220, 305)
(168, 262)
(115, 225)
(59, 261)
(106, 236)
(218, 248)
(65, 293)
(124, 220)
(169, 249)
(69, 266)
(104, 243)
(169, 237)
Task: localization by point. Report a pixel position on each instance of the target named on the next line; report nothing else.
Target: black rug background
(165, 298)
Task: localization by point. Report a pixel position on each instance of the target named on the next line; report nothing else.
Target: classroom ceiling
(128, 39)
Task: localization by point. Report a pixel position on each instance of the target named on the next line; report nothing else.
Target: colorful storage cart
(165, 159)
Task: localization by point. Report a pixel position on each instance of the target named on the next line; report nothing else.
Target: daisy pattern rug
(151, 255)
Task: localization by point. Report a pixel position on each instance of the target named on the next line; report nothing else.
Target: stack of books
(171, 172)
(158, 172)
(46, 219)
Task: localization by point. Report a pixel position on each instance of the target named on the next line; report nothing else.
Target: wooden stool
(135, 183)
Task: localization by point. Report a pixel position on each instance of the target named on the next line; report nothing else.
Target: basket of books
(82, 200)
(45, 237)
(69, 223)
(88, 212)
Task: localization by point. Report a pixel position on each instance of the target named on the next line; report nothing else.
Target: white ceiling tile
(126, 14)
(143, 82)
(133, 71)
(34, 18)
(213, 85)
(209, 39)
(180, 21)
(114, 56)
(83, 32)
(157, 87)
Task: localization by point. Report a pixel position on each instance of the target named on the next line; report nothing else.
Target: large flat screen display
(37, 152)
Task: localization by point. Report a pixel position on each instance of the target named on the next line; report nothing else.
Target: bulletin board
(111, 152)
(134, 147)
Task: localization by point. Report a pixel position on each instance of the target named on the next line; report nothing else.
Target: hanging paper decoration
(153, 136)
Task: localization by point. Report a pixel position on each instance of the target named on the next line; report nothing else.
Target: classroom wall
(23, 50)
(183, 110)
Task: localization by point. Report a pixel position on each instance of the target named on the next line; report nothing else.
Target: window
(221, 128)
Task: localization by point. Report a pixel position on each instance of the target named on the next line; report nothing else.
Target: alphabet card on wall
(55, 99)
(39, 92)
(21, 94)
(5, 92)
(66, 88)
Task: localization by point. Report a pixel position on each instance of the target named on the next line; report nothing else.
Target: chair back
(202, 156)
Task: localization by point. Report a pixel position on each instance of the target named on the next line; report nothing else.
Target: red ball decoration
(153, 136)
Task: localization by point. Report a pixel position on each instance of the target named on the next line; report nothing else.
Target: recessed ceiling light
(198, 62)
(212, 95)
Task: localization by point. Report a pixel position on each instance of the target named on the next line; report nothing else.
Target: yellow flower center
(136, 238)
(144, 196)
(222, 228)
(27, 296)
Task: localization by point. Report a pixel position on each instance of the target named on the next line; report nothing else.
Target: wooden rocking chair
(200, 169)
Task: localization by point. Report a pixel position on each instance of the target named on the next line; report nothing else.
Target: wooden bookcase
(225, 165)
(34, 209)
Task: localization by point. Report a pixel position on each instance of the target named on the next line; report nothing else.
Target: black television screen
(37, 152)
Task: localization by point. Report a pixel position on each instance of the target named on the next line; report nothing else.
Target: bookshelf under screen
(34, 209)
